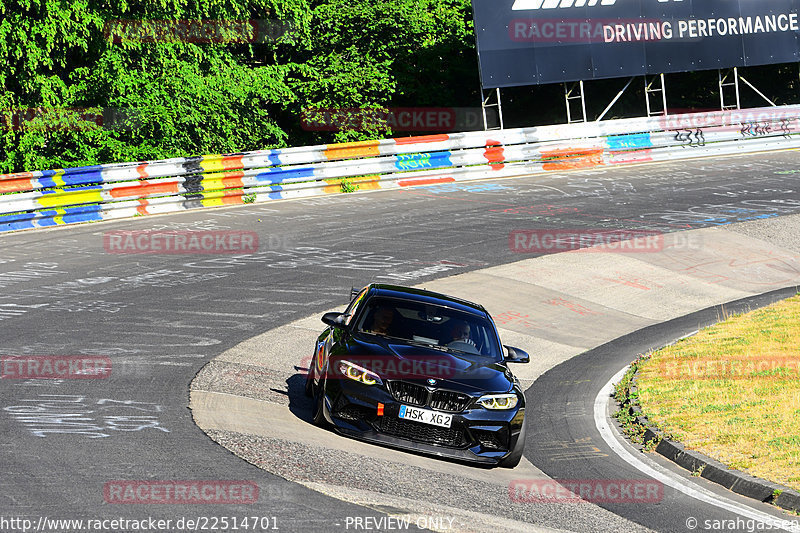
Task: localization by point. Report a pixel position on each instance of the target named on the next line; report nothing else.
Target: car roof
(429, 297)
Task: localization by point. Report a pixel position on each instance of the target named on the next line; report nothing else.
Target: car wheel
(318, 412)
(516, 456)
(310, 382)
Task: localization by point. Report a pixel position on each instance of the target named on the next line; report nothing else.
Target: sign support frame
(648, 90)
(498, 104)
(576, 87)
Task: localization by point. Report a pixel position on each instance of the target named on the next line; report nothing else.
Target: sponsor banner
(55, 367)
(180, 492)
(67, 119)
(180, 242)
(417, 119)
(586, 491)
(578, 30)
(195, 31)
(529, 42)
(731, 368)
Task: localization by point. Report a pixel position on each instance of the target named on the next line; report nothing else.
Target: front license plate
(426, 416)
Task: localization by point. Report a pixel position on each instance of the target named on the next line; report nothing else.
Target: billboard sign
(530, 42)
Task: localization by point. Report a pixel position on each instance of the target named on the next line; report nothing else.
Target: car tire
(309, 389)
(318, 411)
(515, 457)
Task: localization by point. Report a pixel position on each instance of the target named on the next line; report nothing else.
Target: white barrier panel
(64, 196)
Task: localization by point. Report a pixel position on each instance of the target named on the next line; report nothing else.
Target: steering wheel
(464, 346)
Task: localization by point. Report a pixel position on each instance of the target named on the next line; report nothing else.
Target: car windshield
(439, 327)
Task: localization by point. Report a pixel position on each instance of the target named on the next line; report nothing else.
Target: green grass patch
(732, 391)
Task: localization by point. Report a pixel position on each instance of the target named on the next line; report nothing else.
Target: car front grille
(419, 396)
(409, 393)
(446, 400)
(450, 437)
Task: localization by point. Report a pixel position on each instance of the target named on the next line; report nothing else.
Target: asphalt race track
(162, 318)
(563, 408)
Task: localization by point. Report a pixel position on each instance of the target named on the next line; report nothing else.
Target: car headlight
(356, 373)
(499, 401)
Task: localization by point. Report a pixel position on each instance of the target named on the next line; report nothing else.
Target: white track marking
(668, 478)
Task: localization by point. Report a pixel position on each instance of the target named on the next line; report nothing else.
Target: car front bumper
(476, 435)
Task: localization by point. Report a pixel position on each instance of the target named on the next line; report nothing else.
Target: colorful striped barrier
(119, 190)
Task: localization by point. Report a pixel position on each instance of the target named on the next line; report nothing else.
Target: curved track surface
(161, 318)
(564, 410)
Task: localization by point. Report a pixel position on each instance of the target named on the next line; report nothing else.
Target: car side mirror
(515, 355)
(334, 319)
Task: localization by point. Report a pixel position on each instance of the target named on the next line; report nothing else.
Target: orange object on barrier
(21, 183)
(425, 181)
(494, 154)
(422, 139)
(144, 189)
(355, 149)
(232, 180)
(365, 183)
(572, 158)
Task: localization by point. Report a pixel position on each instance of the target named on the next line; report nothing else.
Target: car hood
(396, 360)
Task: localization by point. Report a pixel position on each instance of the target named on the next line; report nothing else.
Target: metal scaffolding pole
(569, 96)
(759, 93)
(649, 90)
(723, 83)
(614, 101)
(498, 104)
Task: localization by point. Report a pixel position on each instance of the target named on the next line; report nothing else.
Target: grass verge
(731, 392)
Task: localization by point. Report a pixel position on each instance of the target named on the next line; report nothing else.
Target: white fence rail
(101, 192)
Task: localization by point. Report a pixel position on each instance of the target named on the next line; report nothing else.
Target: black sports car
(421, 371)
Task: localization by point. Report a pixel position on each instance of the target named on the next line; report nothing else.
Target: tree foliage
(158, 98)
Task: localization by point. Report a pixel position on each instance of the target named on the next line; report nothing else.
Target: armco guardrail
(101, 192)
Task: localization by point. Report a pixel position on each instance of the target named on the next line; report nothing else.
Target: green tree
(175, 97)
(179, 97)
(388, 53)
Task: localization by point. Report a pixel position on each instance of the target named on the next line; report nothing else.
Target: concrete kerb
(557, 306)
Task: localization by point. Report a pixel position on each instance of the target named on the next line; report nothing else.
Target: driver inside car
(460, 332)
(382, 320)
